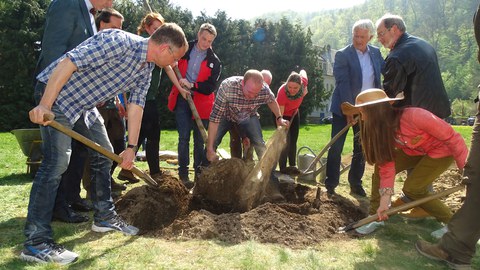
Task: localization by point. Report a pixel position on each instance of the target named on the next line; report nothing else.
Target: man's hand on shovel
(128, 157)
(37, 115)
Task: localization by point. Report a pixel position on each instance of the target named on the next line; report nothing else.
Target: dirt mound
(171, 212)
(448, 179)
(150, 208)
(293, 225)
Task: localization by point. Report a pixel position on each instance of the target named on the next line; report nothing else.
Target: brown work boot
(397, 202)
(435, 252)
(416, 212)
(117, 187)
(127, 175)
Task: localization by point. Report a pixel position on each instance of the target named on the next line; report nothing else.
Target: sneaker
(115, 223)
(439, 233)
(48, 252)
(435, 252)
(370, 227)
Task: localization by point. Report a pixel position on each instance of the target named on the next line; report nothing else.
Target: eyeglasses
(171, 51)
(382, 33)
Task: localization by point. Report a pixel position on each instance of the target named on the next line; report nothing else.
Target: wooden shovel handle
(95, 146)
(403, 207)
(325, 149)
(195, 114)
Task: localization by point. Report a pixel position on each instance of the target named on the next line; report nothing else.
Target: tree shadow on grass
(16, 179)
(11, 241)
(395, 245)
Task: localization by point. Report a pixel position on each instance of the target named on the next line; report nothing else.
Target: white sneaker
(48, 252)
(370, 227)
(439, 233)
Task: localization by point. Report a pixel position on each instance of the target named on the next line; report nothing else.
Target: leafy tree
(21, 24)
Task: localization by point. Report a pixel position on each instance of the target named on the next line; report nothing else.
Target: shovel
(316, 201)
(75, 135)
(400, 208)
(222, 153)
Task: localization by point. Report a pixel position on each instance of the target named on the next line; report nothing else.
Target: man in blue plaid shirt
(237, 101)
(111, 62)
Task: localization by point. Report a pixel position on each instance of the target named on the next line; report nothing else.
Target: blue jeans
(56, 148)
(249, 128)
(183, 117)
(335, 155)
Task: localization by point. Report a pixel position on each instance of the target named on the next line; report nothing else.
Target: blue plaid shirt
(111, 62)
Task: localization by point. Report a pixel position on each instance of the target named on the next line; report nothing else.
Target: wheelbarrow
(30, 142)
(305, 160)
(310, 176)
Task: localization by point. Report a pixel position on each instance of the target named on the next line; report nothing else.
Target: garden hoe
(75, 135)
(309, 170)
(401, 208)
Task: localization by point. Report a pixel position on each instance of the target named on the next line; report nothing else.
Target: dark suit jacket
(67, 25)
(348, 75)
(412, 67)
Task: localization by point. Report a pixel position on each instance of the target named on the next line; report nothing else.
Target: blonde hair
(148, 20)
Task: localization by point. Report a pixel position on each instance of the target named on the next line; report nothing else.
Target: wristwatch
(279, 117)
(134, 147)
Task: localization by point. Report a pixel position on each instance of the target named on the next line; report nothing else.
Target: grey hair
(389, 20)
(364, 24)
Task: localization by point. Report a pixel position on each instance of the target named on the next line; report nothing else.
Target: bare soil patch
(171, 212)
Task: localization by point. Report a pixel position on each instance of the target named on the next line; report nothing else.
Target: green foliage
(21, 23)
(292, 41)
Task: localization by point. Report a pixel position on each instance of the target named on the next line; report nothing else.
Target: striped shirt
(111, 62)
(230, 102)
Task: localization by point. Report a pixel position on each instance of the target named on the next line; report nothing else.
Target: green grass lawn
(389, 248)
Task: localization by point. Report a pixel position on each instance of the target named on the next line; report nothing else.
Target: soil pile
(170, 212)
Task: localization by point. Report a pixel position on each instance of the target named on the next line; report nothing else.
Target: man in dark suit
(411, 67)
(357, 67)
(68, 23)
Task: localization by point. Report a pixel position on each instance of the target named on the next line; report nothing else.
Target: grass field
(389, 248)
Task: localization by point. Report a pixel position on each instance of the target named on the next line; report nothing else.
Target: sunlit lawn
(389, 248)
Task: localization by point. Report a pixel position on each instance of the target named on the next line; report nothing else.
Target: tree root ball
(150, 208)
(218, 184)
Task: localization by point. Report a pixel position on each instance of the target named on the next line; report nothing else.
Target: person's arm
(175, 81)
(212, 134)
(278, 114)
(135, 113)
(386, 173)
(60, 75)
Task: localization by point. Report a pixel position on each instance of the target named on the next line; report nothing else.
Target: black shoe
(359, 191)
(188, 184)
(331, 192)
(69, 216)
(82, 206)
(118, 187)
(127, 176)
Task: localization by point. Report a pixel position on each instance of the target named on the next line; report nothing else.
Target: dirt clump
(152, 208)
